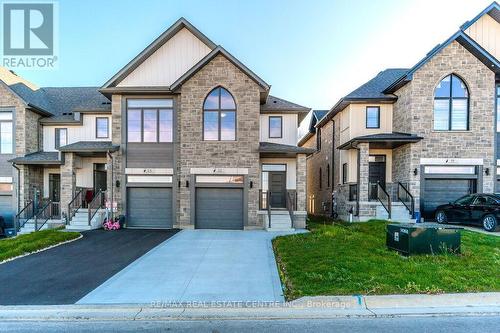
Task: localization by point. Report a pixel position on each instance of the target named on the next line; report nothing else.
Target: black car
(478, 209)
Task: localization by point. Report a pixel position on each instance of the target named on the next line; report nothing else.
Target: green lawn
(22, 244)
(343, 259)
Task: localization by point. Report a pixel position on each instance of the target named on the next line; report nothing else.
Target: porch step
(399, 213)
(80, 221)
(280, 221)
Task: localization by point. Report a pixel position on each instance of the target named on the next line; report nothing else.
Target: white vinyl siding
(486, 31)
(85, 132)
(169, 62)
(289, 128)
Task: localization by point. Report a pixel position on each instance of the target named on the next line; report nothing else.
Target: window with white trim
(6, 133)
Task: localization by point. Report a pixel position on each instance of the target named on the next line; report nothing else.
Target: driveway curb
(480, 304)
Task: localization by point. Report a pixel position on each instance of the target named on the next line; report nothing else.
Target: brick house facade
(404, 162)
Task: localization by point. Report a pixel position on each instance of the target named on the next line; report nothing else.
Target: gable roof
(274, 103)
(155, 45)
(371, 91)
(493, 10)
(467, 42)
(219, 50)
(314, 117)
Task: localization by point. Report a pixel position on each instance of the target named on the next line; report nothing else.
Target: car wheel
(489, 223)
(441, 217)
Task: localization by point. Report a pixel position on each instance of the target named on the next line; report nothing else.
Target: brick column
(301, 182)
(68, 181)
(363, 171)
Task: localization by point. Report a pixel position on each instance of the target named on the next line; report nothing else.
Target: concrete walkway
(198, 266)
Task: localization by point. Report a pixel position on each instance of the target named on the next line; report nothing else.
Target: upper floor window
(318, 139)
(150, 120)
(6, 137)
(102, 127)
(451, 105)
(275, 126)
(219, 116)
(372, 117)
(61, 137)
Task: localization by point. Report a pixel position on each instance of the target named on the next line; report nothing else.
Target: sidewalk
(483, 304)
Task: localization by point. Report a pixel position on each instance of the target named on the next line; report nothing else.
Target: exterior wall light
(487, 171)
(251, 184)
(415, 171)
(187, 183)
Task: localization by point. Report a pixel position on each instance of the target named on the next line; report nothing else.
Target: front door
(54, 187)
(376, 174)
(277, 186)
(100, 177)
(55, 192)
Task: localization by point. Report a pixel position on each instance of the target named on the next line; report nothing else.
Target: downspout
(18, 186)
(358, 181)
(332, 168)
(18, 194)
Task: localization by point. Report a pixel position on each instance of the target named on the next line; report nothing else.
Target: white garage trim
(451, 161)
(219, 171)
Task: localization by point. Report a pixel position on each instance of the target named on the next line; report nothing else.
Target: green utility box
(429, 238)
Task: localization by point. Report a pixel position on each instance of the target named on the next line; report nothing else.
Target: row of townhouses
(184, 136)
(411, 139)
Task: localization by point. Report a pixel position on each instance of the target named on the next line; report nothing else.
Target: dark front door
(100, 177)
(277, 186)
(54, 187)
(376, 174)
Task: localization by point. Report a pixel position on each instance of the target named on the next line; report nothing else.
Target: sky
(312, 52)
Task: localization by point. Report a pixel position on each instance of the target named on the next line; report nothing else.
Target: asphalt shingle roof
(374, 88)
(269, 147)
(60, 100)
(274, 103)
(89, 146)
(41, 157)
(319, 113)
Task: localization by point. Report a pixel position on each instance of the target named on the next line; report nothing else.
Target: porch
(376, 178)
(282, 189)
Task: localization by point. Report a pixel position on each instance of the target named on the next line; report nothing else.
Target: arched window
(219, 116)
(451, 105)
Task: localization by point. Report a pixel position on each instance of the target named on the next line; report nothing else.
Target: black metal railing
(406, 198)
(384, 198)
(25, 214)
(263, 199)
(43, 215)
(56, 209)
(75, 204)
(291, 204)
(269, 208)
(95, 204)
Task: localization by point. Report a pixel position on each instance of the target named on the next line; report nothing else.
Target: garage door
(442, 191)
(219, 208)
(149, 207)
(6, 210)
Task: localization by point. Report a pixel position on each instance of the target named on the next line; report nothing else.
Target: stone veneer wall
(242, 153)
(68, 181)
(116, 123)
(415, 106)
(316, 195)
(301, 182)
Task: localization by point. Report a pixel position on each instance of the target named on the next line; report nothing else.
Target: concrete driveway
(199, 266)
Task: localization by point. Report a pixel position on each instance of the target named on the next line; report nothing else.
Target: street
(407, 324)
